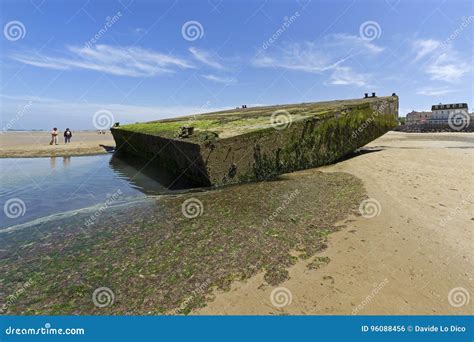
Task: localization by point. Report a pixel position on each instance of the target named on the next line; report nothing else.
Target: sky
(86, 64)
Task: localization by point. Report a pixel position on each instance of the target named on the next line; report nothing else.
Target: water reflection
(48, 188)
(148, 177)
(66, 162)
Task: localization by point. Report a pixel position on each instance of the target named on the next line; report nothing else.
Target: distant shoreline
(44, 130)
(35, 144)
(53, 155)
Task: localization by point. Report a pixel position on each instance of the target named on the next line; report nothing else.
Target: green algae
(315, 142)
(240, 121)
(154, 259)
(318, 262)
(315, 134)
(169, 128)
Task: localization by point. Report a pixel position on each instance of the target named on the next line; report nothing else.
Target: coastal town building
(442, 113)
(417, 118)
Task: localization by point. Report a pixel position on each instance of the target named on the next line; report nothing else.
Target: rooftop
(449, 106)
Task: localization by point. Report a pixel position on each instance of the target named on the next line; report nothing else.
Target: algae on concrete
(247, 144)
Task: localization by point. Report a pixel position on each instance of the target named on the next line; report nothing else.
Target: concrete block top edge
(229, 123)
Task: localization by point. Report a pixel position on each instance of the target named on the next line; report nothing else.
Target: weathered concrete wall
(179, 157)
(304, 144)
(266, 153)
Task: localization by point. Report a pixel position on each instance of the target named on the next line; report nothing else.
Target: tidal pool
(34, 188)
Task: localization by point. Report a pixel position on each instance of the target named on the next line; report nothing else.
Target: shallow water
(32, 188)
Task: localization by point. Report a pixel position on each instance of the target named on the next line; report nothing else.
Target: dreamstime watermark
(287, 21)
(370, 30)
(377, 288)
(14, 208)
(199, 290)
(281, 297)
(103, 119)
(281, 119)
(46, 330)
(370, 208)
(192, 208)
(192, 30)
(110, 201)
(456, 211)
(464, 24)
(458, 297)
(20, 113)
(281, 208)
(11, 299)
(459, 121)
(109, 22)
(103, 297)
(14, 30)
(380, 109)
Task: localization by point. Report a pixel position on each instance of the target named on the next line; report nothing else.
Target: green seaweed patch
(158, 261)
(169, 129)
(276, 275)
(318, 262)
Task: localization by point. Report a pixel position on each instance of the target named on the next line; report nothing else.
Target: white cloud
(129, 61)
(206, 57)
(307, 57)
(447, 67)
(425, 47)
(332, 53)
(428, 91)
(442, 62)
(354, 43)
(219, 79)
(347, 76)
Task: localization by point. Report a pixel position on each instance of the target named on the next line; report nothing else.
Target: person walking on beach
(54, 136)
(67, 136)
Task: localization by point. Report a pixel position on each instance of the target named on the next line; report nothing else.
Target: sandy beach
(409, 253)
(406, 259)
(36, 144)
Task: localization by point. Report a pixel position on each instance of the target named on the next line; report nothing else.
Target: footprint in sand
(329, 279)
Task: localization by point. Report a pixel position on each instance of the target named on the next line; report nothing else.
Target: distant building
(417, 118)
(442, 113)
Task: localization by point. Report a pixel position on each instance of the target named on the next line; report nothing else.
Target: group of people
(54, 136)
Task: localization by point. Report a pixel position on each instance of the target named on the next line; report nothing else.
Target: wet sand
(405, 260)
(36, 144)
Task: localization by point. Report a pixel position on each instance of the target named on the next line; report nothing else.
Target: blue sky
(63, 61)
